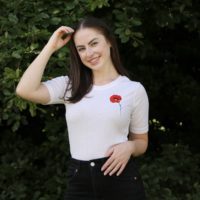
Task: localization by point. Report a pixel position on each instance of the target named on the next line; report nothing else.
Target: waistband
(85, 162)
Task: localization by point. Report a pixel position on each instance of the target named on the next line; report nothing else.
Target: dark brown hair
(80, 76)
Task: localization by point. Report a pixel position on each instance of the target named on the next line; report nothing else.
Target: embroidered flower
(116, 99)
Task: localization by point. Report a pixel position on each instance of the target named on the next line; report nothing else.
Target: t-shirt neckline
(108, 85)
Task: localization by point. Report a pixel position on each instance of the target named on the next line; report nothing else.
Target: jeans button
(92, 164)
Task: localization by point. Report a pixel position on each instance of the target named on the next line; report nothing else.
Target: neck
(106, 76)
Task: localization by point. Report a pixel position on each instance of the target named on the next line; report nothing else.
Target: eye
(94, 44)
(80, 49)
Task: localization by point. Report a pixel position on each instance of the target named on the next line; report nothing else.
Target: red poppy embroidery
(116, 99)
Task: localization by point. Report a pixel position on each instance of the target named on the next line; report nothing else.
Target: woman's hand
(119, 156)
(59, 38)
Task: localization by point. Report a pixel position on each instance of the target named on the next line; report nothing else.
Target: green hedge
(38, 172)
(159, 44)
(173, 174)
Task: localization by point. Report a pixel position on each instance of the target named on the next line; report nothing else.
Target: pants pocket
(72, 171)
(130, 173)
(129, 184)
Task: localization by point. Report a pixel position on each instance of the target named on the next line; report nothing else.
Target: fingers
(118, 168)
(60, 38)
(119, 156)
(114, 167)
(107, 164)
(65, 30)
(121, 169)
(62, 33)
(68, 29)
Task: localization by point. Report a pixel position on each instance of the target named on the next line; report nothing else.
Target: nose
(89, 52)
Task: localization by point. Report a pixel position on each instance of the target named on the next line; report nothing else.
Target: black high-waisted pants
(87, 182)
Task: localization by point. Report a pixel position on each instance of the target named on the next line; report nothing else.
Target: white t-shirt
(104, 117)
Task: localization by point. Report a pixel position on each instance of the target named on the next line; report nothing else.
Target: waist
(98, 160)
(95, 148)
(85, 162)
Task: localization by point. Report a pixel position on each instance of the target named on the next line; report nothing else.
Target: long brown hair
(80, 76)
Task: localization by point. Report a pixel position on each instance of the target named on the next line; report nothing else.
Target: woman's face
(93, 49)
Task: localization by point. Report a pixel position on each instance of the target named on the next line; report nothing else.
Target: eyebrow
(88, 42)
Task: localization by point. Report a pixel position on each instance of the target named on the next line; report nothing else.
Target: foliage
(34, 166)
(162, 37)
(159, 44)
(171, 174)
(38, 172)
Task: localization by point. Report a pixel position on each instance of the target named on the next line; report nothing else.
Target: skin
(30, 86)
(120, 154)
(94, 52)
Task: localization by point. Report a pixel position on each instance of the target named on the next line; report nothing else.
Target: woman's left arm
(119, 154)
(138, 143)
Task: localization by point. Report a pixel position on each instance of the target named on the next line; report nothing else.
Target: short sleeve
(56, 88)
(140, 114)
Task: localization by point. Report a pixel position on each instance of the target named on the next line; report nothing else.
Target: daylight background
(159, 43)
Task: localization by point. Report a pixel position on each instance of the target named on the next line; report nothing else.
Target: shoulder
(60, 78)
(131, 84)
(134, 89)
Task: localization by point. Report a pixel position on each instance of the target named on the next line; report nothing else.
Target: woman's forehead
(85, 35)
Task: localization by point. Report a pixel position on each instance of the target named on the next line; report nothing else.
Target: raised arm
(30, 87)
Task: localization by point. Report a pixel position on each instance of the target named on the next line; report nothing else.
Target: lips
(94, 61)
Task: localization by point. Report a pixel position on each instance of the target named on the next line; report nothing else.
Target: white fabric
(95, 123)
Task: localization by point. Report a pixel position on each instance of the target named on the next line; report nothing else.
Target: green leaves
(160, 45)
(16, 55)
(13, 18)
(31, 171)
(127, 25)
(172, 179)
(93, 5)
(13, 105)
(56, 20)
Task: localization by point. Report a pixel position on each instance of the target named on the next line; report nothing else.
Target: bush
(173, 174)
(33, 172)
(38, 172)
(159, 43)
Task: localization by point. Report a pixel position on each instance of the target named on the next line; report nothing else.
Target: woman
(106, 112)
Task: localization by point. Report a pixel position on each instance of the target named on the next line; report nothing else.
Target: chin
(95, 67)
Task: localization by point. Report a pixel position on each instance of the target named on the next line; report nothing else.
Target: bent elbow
(19, 91)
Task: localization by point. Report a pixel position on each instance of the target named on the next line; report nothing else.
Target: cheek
(81, 56)
(107, 51)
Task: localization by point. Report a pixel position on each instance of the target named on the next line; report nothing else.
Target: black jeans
(87, 182)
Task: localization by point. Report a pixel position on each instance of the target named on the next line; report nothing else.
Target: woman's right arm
(30, 86)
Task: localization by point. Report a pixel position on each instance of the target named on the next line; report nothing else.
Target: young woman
(106, 112)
